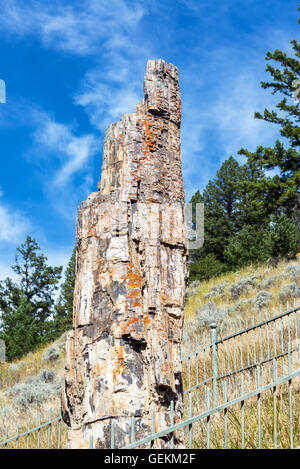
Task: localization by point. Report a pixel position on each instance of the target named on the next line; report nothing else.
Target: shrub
(36, 390)
(262, 299)
(32, 393)
(217, 290)
(210, 313)
(243, 304)
(51, 354)
(269, 282)
(193, 288)
(243, 285)
(16, 366)
(289, 292)
(47, 376)
(6, 412)
(292, 270)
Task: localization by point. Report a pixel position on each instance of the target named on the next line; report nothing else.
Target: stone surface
(123, 355)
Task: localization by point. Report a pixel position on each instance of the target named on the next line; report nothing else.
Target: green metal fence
(225, 354)
(250, 394)
(199, 431)
(242, 390)
(40, 435)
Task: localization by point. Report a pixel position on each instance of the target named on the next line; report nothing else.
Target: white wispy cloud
(115, 84)
(77, 27)
(62, 160)
(107, 31)
(218, 120)
(6, 271)
(13, 224)
(225, 124)
(234, 111)
(60, 156)
(105, 103)
(58, 140)
(216, 125)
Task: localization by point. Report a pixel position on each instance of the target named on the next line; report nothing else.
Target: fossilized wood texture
(123, 355)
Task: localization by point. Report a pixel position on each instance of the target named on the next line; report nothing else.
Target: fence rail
(241, 331)
(224, 407)
(49, 432)
(241, 351)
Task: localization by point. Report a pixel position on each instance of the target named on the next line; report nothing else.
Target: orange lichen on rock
(134, 277)
(129, 325)
(92, 230)
(120, 360)
(146, 321)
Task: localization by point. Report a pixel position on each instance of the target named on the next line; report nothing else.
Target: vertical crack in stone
(123, 355)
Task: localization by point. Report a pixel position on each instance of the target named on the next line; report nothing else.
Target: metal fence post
(214, 361)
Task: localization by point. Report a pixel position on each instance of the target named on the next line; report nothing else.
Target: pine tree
(20, 331)
(283, 237)
(63, 319)
(251, 206)
(221, 208)
(235, 220)
(248, 246)
(27, 304)
(205, 268)
(281, 190)
(249, 215)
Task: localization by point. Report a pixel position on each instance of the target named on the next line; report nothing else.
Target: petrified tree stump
(123, 355)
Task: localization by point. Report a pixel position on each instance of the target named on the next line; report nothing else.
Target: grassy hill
(234, 302)
(252, 292)
(30, 389)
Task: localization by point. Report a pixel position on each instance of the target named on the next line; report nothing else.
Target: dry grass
(12, 415)
(269, 407)
(238, 352)
(48, 437)
(30, 365)
(241, 308)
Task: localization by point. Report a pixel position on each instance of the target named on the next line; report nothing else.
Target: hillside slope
(30, 388)
(249, 294)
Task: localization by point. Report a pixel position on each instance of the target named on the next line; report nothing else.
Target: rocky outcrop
(123, 355)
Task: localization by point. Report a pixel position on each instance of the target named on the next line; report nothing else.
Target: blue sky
(73, 67)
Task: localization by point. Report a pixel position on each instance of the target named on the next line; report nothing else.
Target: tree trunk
(123, 354)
